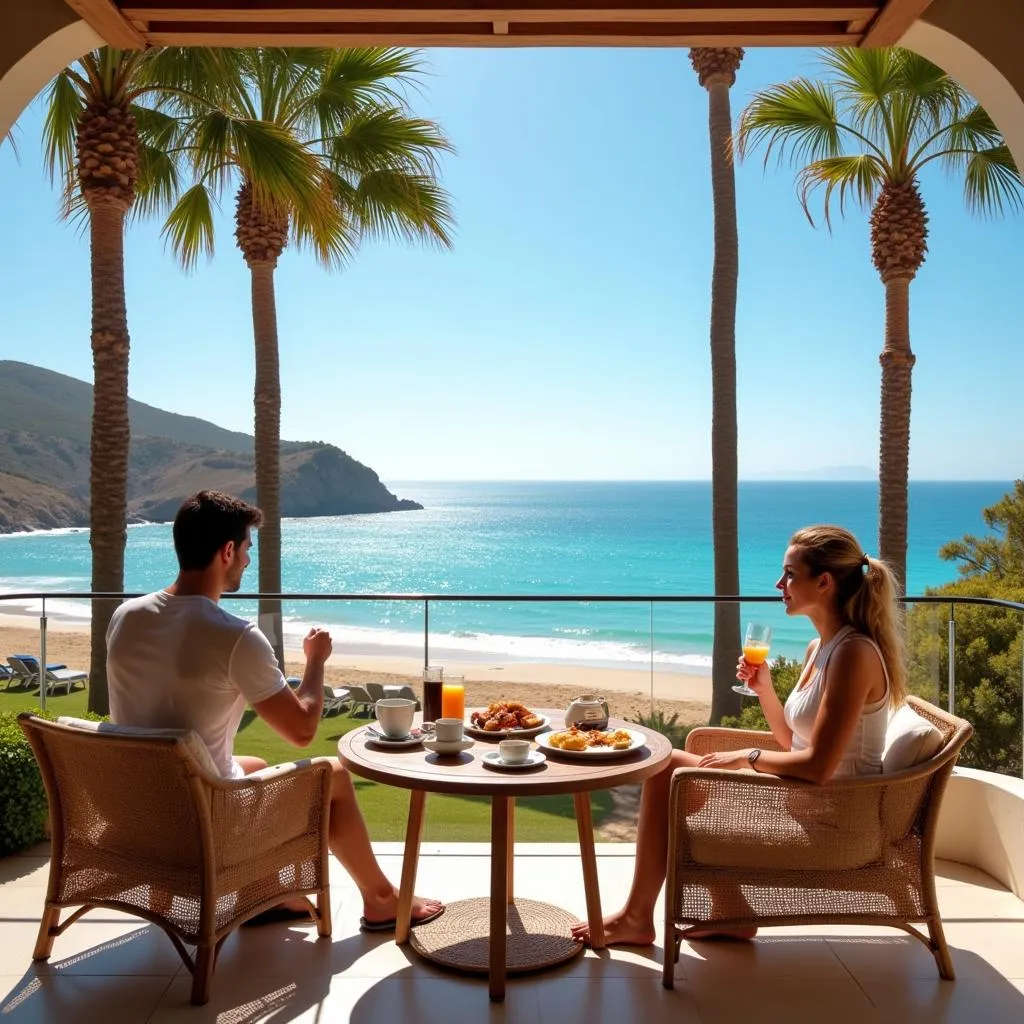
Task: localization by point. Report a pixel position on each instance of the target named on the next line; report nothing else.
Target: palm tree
(112, 151)
(866, 133)
(716, 69)
(325, 153)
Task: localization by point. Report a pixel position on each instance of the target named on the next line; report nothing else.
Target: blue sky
(566, 335)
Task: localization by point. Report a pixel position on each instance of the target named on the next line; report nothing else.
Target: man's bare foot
(377, 911)
(621, 929)
(701, 933)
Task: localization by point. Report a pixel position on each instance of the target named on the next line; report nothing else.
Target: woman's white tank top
(863, 755)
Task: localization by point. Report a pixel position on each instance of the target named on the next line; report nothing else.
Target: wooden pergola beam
(893, 21)
(327, 11)
(109, 23)
(436, 36)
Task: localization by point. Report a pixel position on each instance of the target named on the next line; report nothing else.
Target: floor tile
(49, 999)
(970, 999)
(614, 999)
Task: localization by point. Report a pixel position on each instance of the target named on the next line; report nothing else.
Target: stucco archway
(31, 57)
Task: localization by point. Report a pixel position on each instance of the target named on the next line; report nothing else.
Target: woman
(833, 722)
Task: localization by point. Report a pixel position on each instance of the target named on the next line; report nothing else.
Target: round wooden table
(464, 774)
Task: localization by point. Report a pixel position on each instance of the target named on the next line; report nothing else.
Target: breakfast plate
(504, 734)
(637, 740)
(493, 759)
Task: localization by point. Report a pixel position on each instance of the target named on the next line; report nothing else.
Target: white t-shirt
(183, 662)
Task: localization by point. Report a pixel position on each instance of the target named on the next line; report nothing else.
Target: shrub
(669, 727)
(22, 797)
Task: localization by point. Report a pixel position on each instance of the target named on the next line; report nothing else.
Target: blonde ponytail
(867, 592)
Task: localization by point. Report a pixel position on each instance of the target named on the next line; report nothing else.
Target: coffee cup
(514, 751)
(395, 716)
(448, 730)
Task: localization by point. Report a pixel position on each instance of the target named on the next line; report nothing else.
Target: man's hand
(317, 646)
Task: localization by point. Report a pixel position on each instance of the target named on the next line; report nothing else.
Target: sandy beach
(536, 684)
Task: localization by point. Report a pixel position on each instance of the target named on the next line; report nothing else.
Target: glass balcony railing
(965, 654)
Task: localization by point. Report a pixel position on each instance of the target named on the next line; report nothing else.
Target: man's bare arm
(295, 714)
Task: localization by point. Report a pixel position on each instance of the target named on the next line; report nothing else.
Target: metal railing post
(42, 657)
(652, 659)
(426, 632)
(952, 659)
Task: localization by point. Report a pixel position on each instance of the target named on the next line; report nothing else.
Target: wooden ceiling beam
(893, 21)
(268, 12)
(108, 22)
(441, 36)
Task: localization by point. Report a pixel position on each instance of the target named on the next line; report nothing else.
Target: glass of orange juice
(453, 697)
(756, 644)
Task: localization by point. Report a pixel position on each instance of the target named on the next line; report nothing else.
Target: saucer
(445, 747)
(493, 760)
(414, 739)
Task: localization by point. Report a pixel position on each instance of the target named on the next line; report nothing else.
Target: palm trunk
(724, 484)
(894, 448)
(267, 402)
(110, 431)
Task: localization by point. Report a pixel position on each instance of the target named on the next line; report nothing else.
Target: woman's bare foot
(700, 933)
(621, 929)
(378, 910)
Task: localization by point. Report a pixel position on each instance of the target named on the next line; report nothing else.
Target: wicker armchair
(139, 824)
(755, 849)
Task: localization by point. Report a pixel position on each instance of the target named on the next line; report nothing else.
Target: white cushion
(909, 740)
(189, 739)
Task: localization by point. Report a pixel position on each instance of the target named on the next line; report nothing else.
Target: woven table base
(537, 936)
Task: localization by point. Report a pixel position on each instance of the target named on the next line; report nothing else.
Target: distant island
(45, 423)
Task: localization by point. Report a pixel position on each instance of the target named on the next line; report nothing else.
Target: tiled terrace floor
(111, 969)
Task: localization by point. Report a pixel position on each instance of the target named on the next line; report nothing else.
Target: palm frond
(64, 106)
(189, 226)
(411, 207)
(158, 183)
(799, 119)
(992, 182)
(859, 177)
(376, 137)
(332, 233)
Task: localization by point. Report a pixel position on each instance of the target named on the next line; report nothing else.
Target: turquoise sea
(531, 539)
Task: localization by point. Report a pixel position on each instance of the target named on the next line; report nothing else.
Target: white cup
(514, 751)
(448, 730)
(395, 716)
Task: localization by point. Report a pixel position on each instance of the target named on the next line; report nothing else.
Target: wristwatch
(753, 756)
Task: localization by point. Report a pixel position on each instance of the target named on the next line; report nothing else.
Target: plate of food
(503, 719)
(592, 744)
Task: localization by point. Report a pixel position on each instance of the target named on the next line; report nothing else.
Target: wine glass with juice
(756, 644)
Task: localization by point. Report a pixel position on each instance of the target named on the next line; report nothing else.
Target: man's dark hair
(206, 522)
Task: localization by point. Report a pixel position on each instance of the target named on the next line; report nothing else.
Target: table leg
(410, 861)
(511, 848)
(500, 808)
(585, 827)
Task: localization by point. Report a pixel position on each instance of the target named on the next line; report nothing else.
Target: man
(176, 659)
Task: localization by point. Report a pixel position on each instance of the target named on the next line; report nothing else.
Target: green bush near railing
(22, 796)
(667, 725)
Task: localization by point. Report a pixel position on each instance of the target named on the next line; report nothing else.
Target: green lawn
(449, 819)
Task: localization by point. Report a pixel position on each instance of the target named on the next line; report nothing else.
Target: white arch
(25, 80)
(979, 76)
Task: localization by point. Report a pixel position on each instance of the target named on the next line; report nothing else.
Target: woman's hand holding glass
(752, 670)
(756, 678)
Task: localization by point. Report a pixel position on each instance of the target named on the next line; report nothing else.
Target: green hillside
(45, 420)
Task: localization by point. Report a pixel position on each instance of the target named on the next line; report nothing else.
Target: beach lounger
(360, 699)
(58, 675)
(68, 678)
(336, 699)
(376, 691)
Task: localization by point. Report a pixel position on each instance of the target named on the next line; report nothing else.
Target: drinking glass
(453, 697)
(757, 643)
(432, 681)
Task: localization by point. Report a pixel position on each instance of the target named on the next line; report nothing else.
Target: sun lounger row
(24, 672)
